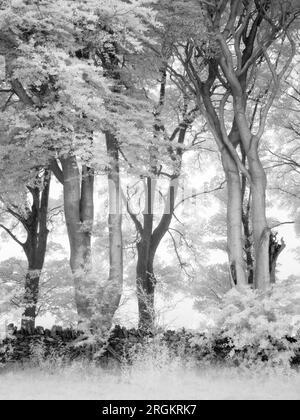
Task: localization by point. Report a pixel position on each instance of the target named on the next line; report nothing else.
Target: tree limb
(7, 230)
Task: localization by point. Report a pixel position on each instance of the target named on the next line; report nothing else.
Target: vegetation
(152, 137)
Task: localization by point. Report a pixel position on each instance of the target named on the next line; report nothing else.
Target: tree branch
(7, 230)
(220, 187)
(133, 216)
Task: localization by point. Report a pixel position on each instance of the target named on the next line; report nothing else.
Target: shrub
(254, 327)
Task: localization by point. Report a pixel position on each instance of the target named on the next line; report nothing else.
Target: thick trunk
(35, 250)
(147, 247)
(78, 207)
(111, 293)
(235, 240)
(145, 286)
(144, 282)
(261, 231)
(80, 267)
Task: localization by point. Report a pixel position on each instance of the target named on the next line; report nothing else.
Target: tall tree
(48, 114)
(52, 65)
(240, 43)
(149, 232)
(32, 215)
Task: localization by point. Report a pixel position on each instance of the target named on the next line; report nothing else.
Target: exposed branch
(282, 223)
(7, 230)
(220, 187)
(181, 263)
(132, 215)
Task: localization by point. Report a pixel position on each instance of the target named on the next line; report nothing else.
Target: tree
(283, 154)
(33, 218)
(113, 55)
(150, 235)
(223, 66)
(52, 65)
(55, 289)
(47, 111)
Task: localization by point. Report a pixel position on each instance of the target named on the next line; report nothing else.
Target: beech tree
(222, 67)
(49, 111)
(95, 88)
(283, 157)
(65, 97)
(24, 198)
(32, 214)
(125, 110)
(168, 139)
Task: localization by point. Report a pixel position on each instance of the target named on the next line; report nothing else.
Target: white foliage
(261, 326)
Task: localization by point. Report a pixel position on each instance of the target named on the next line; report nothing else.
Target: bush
(254, 328)
(250, 328)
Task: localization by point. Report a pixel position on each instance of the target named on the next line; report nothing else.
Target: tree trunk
(248, 247)
(147, 247)
(35, 250)
(112, 292)
(144, 280)
(246, 206)
(30, 300)
(235, 240)
(261, 231)
(145, 286)
(275, 249)
(78, 207)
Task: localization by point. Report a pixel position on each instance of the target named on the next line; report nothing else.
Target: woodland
(152, 148)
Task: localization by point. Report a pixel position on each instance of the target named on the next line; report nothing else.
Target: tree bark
(144, 281)
(145, 285)
(146, 250)
(30, 300)
(261, 231)
(275, 249)
(246, 207)
(248, 247)
(35, 250)
(78, 207)
(235, 239)
(112, 292)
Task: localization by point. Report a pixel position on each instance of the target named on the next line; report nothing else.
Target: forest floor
(163, 383)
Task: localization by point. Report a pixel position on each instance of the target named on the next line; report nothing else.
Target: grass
(153, 375)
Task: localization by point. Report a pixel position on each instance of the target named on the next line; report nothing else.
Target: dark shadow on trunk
(275, 249)
(35, 249)
(147, 246)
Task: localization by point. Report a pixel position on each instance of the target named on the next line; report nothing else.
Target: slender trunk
(246, 214)
(78, 207)
(273, 271)
(275, 249)
(111, 293)
(30, 300)
(261, 231)
(248, 247)
(235, 240)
